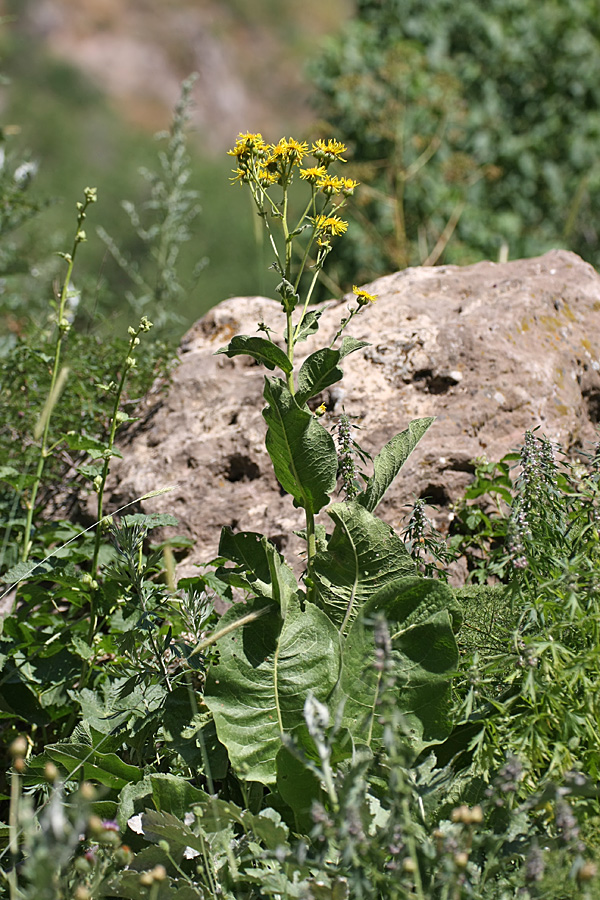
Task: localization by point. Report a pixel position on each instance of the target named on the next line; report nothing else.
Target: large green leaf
(363, 555)
(266, 670)
(82, 761)
(299, 787)
(259, 566)
(299, 771)
(321, 369)
(301, 450)
(390, 460)
(159, 790)
(261, 349)
(421, 615)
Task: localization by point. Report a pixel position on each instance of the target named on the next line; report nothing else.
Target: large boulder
(491, 350)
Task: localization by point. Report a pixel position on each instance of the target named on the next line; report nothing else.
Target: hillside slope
(249, 56)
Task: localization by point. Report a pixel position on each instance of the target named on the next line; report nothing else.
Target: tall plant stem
(108, 453)
(13, 832)
(311, 544)
(63, 327)
(308, 296)
(128, 364)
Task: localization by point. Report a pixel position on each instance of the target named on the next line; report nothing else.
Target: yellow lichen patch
(552, 323)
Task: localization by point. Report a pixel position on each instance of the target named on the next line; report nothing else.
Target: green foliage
(363, 730)
(542, 681)
(475, 127)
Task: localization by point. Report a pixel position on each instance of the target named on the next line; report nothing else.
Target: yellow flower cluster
(329, 184)
(271, 163)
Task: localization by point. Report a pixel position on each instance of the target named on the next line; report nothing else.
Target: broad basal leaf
(363, 555)
(420, 614)
(390, 460)
(321, 369)
(301, 450)
(265, 672)
(261, 349)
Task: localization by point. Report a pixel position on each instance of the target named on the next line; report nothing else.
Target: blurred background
(474, 129)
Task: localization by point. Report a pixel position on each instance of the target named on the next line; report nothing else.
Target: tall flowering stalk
(58, 374)
(269, 170)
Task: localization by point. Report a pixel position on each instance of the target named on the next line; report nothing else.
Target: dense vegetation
(364, 731)
(475, 125)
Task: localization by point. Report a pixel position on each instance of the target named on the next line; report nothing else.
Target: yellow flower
(330, 184)
(348, 186)
(328, 151)
(288, 150)
(248, 148)
(267, 177)
(240, 175)
(313, 174)
(331, 225)
(246, 144)
(363, 296)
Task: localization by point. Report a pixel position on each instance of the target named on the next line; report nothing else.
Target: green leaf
(265, 672)
(289, 295)
(25, 570)
(261, 349)
(77, 441)
(260, 567)
(390, 460)
(8, 473)
(301, 450)
(216, 815)
(321, 369)
(420, 614)
(167, 793)
(299, 771)
(298, 786)
(363, 554)
(83, 761)
(309, 326)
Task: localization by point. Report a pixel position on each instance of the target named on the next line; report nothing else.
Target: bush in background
(478, 126)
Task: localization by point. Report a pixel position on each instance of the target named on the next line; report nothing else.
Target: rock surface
(491, 350)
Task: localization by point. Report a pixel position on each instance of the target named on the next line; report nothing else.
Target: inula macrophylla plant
(315, 638)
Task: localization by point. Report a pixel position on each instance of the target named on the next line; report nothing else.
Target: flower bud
(18, 748)
(50, 773)
(87, 791)
(159, 873)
